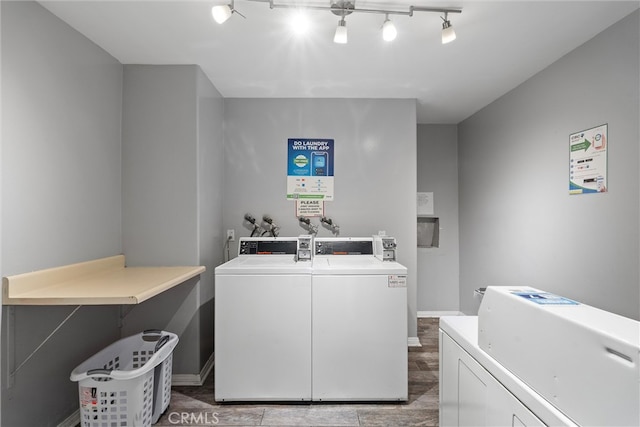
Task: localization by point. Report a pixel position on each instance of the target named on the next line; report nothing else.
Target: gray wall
(518, 224)
(171, 190)
(71, 189)
(375, 167)
(60, 197)
(210, 180)
(159, 165)
(438, 268)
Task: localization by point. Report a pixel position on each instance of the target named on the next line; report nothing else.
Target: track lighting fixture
(342, 8)
(223, 12)
(389, 31)
(340, 36)
(448, 35)
(300, 22)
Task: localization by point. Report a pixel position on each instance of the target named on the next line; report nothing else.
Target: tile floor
(194, 406)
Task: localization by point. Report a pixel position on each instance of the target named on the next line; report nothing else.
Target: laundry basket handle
(93, 372)
(162, 341)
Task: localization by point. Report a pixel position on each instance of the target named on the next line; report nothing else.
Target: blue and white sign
(309, 169)
(545, 298)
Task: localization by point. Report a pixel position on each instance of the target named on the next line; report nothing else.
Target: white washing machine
(263, 321)
(359, 323)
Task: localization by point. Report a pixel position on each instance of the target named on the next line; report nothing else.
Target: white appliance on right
(359, 321)
(534, 358)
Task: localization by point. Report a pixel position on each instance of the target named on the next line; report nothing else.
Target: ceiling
(500, 44)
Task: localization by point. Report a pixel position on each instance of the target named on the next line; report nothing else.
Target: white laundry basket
(116, 386)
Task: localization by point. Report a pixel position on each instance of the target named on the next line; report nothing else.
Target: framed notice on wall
(588, 161)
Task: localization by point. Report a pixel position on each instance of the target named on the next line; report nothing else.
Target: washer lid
(267, 264)
(360, 264)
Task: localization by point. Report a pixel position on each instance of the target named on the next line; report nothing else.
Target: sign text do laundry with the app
(306, 144)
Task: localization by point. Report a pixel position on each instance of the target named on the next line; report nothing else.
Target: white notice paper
(425, 203)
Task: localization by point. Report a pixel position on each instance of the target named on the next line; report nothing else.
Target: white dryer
(475, 390)
(538, 359)
(359, 323)
(263, 321)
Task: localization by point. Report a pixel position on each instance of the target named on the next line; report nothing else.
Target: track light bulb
(389, 31)
(300, 22)
(340, 36)
(221, 13)
(448, 34)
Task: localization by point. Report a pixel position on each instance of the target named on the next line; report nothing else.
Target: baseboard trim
(193, 379)
(424, 314)
(414, 342)
(72, 420)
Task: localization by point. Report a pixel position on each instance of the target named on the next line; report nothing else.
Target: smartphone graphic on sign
(319, 162)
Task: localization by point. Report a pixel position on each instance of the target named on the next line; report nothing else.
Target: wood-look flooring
(194, 406)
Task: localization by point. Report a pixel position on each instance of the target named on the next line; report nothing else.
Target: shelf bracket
(11, 344)
(124, 312)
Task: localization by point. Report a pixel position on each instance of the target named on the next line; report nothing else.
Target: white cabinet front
(471, 396)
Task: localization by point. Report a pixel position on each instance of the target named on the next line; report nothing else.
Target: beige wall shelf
(98, 282)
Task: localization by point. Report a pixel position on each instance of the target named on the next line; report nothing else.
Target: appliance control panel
(304, 248)
(385, 248)
(267, 246)
(343, 247)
